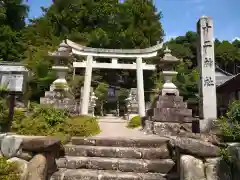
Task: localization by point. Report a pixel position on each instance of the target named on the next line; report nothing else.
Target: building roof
(12, 67)
(223, 77)
(222, 71)
(227, 82)
(230, 85)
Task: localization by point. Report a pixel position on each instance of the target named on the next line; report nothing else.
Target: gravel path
(116, 127)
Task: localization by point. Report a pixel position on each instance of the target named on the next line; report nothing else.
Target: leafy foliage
(104, 24)
(50, 115)
(101, 93)
(185, 47)
(230, 125)
(186, 81)
(226, 52)
(19, 115)
(49, 121)
(12, 20)
(81, 126)
(76, 84)
(9, 171)
(135, 122)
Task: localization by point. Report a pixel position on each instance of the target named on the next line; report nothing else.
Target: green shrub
(49, 121)
(81, 126)
(52, 116)
(19, 115)
(230, 125)
(8, 171)
(135, 122)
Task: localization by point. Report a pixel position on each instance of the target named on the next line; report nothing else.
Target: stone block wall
(192, 158)
(72, 106)
(169, 115)
(34, 155)
(197, 155)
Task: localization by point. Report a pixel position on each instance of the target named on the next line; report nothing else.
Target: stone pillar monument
(206, 63)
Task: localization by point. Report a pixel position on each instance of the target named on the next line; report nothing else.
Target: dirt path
(116, 127)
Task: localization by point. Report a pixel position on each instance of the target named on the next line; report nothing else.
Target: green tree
(41, 75)
(185, 47)
(76, 84)
(12, 20)
(105, 24)
(236, 43)
(141, 24)
(187, 81)
(226, 52)
(101, 93)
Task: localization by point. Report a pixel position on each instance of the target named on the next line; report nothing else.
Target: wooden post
(11, 110)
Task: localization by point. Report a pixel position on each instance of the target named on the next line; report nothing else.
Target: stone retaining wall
(35, 155)
(196, 157)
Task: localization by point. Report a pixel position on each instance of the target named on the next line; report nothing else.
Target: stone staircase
(102, 158)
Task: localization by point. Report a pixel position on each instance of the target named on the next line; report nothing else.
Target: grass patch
(135, 122)
(9, 170)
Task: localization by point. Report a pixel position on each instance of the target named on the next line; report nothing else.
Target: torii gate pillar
(140, 88)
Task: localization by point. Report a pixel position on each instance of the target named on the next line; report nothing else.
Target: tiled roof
(12, 67)
(222, 79)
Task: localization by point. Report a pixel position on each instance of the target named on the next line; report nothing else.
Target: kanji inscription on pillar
(208, 81)
(206, 63)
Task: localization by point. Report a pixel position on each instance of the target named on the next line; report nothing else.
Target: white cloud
(236, 38)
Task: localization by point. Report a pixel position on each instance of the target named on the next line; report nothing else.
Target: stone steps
(161, 152)
(89, 174)
(147, 142)
(110, 158)
(163, 166)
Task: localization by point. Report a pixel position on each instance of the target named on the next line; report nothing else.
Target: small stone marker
(206, 63)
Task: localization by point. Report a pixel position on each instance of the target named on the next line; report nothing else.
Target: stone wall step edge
(109, 175)
(149, 141)
(161, 152)
(121, 164)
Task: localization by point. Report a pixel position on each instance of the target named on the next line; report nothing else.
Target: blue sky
(180, 16)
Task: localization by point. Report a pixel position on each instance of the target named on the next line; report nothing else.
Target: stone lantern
(168, 62)
(93, 99)
(61, 57)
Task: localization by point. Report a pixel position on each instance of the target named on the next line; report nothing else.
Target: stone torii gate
(67, 48)
(113, 54)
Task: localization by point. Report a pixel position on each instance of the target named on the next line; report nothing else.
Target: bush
(135, 122)
(9, 171)
(48, 121)
(230, 125)
(81, 126)
(19, 115)
(50, 115)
